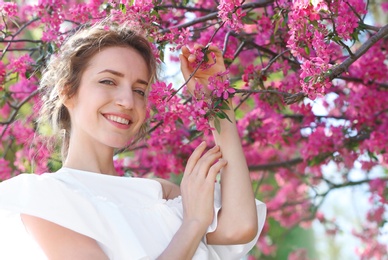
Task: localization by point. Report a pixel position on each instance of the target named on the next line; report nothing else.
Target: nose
(124, 99)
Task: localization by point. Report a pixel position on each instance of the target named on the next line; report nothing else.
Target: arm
(58, 242)
(197, 190)
(237, 220)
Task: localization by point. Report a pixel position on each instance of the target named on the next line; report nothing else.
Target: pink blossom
(220, 87)
(265, 28)
(231, 14)
(379, 187)
(5, 170)
(8, 9)
(21, 64)
(298, 254)
(371, 248)
(2, 73)
(384, 6)
(266, 246)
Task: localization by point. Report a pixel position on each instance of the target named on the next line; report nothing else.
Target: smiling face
(110, 105)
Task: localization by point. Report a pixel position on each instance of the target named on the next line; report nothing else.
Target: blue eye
(140, 92)
(107, 82)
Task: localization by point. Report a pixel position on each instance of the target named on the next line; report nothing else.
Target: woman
(96, 91)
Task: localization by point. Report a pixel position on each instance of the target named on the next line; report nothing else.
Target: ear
(67, 101)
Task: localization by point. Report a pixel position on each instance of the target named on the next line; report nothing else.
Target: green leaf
(123, 9)
(205, 53)
(285, 20)
(307, 79)
(355, 36)
(161, 55)
(307, 50)
(277, 23)
(248, 20)
(217, 125)
(224, 105)
(217, 103)
(227, 117)
(221, 114)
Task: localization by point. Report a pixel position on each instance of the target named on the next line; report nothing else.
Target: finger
(186, 72)
(184, 67)
(198, 46)
(215, 169)
(194, 157)
(191, 58)
(205, 162)
(186, 51)
(216, 51)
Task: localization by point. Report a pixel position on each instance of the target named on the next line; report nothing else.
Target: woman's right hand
(197, 186)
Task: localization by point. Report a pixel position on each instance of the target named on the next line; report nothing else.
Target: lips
(119, 120)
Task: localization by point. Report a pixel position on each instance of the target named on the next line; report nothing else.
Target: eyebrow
(121, 75)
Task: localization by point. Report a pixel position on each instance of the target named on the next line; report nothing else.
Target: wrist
(195, 227)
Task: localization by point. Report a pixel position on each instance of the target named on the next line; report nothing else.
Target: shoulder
(170, 190)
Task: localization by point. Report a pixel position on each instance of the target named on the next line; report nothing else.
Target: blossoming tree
(283, 57)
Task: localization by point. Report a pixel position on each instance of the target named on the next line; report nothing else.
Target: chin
(122, 144)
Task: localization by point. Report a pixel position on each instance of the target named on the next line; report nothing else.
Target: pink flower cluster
(51, 13)
(347, 16)
(8, 9)
(219, 86)
(310, 42)
(272, 50)
(231, 13)
(5, 169)
(371, 247)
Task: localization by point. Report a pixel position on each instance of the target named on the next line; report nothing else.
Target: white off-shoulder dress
(127, 216)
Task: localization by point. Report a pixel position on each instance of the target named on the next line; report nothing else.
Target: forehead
(125, 60)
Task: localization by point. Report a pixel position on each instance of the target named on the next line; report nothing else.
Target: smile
(118, 119)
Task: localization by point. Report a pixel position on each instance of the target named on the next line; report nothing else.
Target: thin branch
(272, 61)
(21, 40)
(15, 112)
(288, 97)
(199, 65)
(270, 166)
(381, 85)
(299, 116)
(187, 8)
(24, 49)
(214, 15)
(272, 91)
(369, 27)
(339, 69)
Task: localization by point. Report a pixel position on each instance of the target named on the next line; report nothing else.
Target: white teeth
(118, 119)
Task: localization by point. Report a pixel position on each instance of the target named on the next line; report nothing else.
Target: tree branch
(15, 112)
(270, 166)
(339, 69)
(214, 15)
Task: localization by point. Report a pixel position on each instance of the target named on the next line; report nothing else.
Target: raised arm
(237, 220)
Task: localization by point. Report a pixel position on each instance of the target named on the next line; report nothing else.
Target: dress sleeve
(229, 252)
(51, 199)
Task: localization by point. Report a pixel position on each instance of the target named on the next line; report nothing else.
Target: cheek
(141, 106)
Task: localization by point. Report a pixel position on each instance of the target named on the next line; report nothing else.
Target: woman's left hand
(190, 60)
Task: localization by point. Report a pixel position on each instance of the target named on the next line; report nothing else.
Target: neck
(93, 157)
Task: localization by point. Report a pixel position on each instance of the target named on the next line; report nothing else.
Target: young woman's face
(110, 104)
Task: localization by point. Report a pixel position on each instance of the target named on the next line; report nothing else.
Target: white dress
(127, 216)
